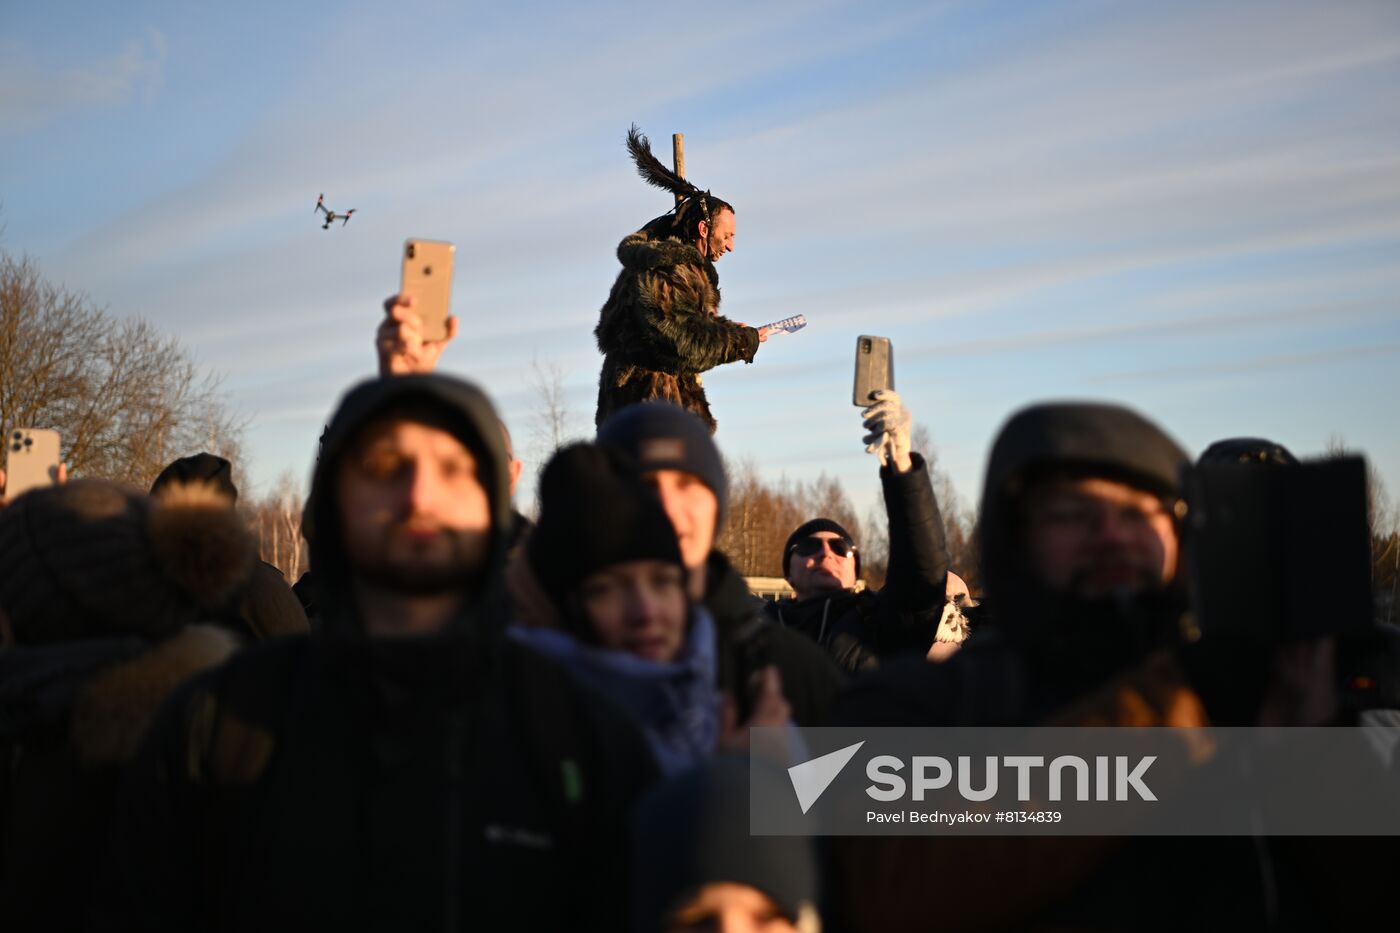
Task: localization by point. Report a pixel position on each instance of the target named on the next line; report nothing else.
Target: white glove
(952, 628)
(888, 422)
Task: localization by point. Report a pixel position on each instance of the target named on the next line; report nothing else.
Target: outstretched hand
(399, 339)
(888, 423)
(763, 332)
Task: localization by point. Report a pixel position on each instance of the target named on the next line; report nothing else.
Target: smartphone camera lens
(19, 434)
(16, 446)
(411, 251)
(29, 442)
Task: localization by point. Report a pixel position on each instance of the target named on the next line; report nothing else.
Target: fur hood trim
(639, 251)
(200, 541)
(114, 710)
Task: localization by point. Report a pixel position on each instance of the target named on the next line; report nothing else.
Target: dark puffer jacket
(339, 781)
(661, 327)
(860, 628)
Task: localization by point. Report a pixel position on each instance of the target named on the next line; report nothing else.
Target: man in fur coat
(661, 325)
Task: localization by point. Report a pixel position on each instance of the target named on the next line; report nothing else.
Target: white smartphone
(427, 276)
(31, 460)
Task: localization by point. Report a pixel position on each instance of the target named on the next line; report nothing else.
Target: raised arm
(917, 580)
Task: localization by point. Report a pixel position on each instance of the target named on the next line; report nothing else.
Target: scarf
(676, 704)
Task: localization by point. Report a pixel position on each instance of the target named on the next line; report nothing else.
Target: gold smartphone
(427, 276)
(31, 460)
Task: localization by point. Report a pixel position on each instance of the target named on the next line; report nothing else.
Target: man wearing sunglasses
(821, 560)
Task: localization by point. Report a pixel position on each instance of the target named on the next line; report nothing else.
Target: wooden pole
(678, 158)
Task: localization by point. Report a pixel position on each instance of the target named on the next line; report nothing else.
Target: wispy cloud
(32, 94)
(1127, 176)
(1251, 364)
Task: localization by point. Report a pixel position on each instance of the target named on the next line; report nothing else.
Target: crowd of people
(460, 719)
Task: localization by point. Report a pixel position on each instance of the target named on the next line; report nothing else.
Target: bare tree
(875, 547)
(276, 518)
(762, 515)
(552, 422)
(758, 521)
(125, 400)
(1385, 536)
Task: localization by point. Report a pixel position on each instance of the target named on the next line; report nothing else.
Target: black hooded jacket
(1050, 659)
(1046, 648)
(861, 629)
(338, 781)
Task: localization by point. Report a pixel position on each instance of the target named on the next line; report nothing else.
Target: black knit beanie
(93, 558)
(658, 435)
(807, 529)
(595, 512)
(202, 467)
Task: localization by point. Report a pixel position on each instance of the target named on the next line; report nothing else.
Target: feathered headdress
(655, 173)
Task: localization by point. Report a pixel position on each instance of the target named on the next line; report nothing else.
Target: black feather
(652, 170)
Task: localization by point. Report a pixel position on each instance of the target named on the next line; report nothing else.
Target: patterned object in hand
(788, 325)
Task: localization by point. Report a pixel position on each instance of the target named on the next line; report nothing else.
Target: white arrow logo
(811, 778)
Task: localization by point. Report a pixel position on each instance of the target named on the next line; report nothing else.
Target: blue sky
(1191, 208)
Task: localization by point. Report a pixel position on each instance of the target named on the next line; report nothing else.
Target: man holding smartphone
(821, 560)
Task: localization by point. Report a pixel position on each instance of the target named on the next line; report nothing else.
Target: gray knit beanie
(658, 435)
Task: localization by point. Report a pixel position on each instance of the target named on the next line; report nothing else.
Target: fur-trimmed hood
(94, 558)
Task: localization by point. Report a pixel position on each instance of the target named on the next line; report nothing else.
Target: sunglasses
(810, 547)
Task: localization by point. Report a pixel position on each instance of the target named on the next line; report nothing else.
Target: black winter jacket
(860, 628)
(1049, 659)
(339, 781)
(750, 640)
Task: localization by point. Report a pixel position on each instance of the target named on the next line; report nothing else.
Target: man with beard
(1081, 559)
(661, 326)
(405, 766)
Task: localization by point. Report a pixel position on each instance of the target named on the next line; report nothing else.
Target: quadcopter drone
(332, 216)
